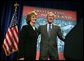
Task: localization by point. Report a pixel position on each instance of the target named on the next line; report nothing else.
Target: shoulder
(25, 27)
(42, 25)
(56, 26)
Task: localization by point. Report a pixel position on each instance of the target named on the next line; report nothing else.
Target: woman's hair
(28, 18)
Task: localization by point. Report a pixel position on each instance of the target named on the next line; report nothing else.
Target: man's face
(50, 17)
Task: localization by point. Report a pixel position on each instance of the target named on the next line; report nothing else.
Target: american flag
(10, 44)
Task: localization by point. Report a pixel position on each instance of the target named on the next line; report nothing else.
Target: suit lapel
(45, 30)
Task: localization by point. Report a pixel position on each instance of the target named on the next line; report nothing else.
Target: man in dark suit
(49, 32)
(73, 49)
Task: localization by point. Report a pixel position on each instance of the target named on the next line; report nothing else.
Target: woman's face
(33, 19)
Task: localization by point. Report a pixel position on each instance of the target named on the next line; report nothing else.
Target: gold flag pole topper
(16, 5)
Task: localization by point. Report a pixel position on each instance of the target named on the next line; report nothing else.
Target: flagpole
(16, 5)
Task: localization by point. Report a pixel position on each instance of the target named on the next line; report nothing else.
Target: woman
(28, 39)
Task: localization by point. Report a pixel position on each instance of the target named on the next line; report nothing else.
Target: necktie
(49, 29)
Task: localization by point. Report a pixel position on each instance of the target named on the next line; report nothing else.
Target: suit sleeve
(60, 35)
(39, 30)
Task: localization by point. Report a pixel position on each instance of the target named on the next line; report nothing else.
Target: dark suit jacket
(47, 41)
(73, 49)
(27, 44)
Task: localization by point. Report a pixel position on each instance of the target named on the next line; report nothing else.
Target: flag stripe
(16, 29)
(6, 45)
(14, 36)
(8, 39)
(6, 42)
(5, 49)
(11, 36)
(11, 39)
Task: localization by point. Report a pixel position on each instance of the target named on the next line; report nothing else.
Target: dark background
(74, 5)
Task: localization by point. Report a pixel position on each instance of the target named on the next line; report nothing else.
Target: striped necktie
(49, 29)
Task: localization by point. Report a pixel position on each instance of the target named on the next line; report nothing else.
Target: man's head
(50, 17)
